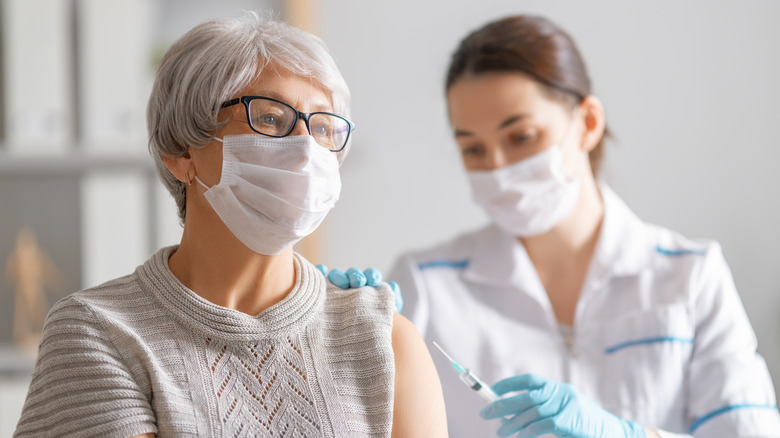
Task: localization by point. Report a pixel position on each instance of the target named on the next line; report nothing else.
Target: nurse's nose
(495, 159)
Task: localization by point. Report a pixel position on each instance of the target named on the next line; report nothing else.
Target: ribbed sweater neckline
(287, 317)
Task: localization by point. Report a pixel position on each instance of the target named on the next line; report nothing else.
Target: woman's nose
(300, 128)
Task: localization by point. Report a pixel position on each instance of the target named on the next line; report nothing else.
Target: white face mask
(274, 191)
(529, 197)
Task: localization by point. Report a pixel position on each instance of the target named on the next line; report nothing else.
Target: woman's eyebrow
(316, 106)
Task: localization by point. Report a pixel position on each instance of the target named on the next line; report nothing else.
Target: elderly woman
(231, 333)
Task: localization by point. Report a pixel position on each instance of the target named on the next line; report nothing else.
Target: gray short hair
(210, 64)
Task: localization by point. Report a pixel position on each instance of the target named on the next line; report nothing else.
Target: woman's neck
(563, 255)
(214, 264)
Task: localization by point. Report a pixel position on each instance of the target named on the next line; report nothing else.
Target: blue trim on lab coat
(678, 252)
(623, 345)
(696, 424)
(455, 264)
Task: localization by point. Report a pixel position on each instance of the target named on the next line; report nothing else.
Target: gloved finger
(522, 382)
(537, 428)
(513, 405)
(356, 277)
(339, 278)
(399, 299)
(514, 423)
(508, 427)
(322, 268)
(373, 277)
(489, 411)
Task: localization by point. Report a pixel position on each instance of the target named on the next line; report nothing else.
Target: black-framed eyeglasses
(274, 118)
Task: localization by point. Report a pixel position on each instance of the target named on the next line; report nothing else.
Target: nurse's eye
(521, 139)
(472, 151)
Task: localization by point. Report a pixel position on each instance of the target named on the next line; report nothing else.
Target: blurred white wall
(691, 94)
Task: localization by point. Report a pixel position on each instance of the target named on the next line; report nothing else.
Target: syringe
(470, 379)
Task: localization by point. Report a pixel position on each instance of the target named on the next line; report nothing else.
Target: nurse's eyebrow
(511, 120)
(502, 125)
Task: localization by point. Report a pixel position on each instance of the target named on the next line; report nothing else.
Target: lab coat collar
(626, 243)
(624, 248)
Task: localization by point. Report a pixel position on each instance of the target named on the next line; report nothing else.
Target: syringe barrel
(480, 387)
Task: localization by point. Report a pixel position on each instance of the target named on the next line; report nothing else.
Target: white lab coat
(660, 334)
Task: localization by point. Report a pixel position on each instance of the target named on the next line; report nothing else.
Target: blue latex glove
(354, 278)
(399, 299)
(553, 407)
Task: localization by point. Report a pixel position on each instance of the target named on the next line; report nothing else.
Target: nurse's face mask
(533, 195)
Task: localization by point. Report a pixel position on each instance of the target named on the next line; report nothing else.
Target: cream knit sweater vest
(143, 354)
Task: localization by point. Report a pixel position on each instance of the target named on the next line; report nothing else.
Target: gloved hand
(547, 406)
(354, 278)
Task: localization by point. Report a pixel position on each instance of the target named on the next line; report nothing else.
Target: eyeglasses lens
(271, 118)
(328, 130)
(277, 119)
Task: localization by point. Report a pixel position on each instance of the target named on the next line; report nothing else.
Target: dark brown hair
(535, 47)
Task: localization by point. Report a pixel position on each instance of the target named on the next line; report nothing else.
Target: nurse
(593, 322)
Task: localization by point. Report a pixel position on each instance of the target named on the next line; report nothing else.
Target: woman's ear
(180, 167)
(595, 122)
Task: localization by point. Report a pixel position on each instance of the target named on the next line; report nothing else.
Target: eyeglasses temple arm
(230, 102)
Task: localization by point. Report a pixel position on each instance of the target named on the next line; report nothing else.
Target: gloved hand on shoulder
(546, 406)
(355, 278)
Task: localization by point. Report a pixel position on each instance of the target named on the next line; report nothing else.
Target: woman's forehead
(303, 93)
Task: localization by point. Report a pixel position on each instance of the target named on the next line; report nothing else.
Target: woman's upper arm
(81, 385)
(418, 409)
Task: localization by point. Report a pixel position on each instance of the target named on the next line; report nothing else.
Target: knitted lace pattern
(144, 354)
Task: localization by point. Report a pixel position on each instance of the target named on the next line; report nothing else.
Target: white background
(691, 95)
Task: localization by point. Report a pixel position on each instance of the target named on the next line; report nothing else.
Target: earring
(187, 175)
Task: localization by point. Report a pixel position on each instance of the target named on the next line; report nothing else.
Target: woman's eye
(267, 119)
(270, 123)
(320, 129)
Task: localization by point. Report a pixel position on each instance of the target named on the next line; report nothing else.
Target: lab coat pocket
(645, 362)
